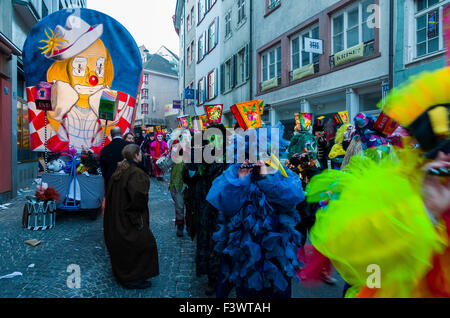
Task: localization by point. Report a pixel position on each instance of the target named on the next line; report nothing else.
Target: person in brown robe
(130, 242)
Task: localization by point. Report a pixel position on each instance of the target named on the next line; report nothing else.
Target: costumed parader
(257, 240)
(390, 211)
(179, 144)
(337, 152)
(158, 149)
(145, 148)
(199, 178)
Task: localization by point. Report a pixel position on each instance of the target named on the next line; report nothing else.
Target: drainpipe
(391, 44)
(250, 49)
(184, 58)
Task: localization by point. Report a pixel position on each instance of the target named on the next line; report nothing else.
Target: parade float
(83, 71)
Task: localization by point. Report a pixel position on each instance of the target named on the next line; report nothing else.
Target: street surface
(76, 239)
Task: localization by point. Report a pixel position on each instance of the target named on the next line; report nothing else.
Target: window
(213, 34)
(271, 64)
(241, 11)
(227, 77)
(272, 4)
(299, 57)
(428, 28)
(192, 16)
(201, 10)
(144, 93)
(188, 22)
(144, 109)
(241, 66)
(23, 133)
(192, 52)
(228, 24)
(188, 55)
(212, 84)
(201, 91)
(201, 47)
(44, 10)
(146, 76)
(351, 27)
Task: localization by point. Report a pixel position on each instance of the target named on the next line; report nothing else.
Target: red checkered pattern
(55, 143)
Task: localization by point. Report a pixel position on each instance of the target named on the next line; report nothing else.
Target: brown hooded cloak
(131, 244)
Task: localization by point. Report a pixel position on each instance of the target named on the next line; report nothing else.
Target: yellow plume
(407, 102)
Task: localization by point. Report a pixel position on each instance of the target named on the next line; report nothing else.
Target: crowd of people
(346, 198)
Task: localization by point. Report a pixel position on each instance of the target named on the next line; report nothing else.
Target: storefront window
(23, 133)
(368, 102)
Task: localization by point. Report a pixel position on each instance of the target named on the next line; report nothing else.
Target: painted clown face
(87, 72)
(87, 69)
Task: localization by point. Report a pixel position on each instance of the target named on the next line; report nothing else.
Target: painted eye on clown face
(79, 65)
(100, 67)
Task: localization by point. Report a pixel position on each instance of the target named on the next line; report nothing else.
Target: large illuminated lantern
(85, 54)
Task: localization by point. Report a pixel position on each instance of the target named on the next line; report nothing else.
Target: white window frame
(345, 12)
(201, 89)
(212, 43)
(266, 56)
(211, 94)
(241, 66)
(228, 19)
(241, 11)
(299, 36)
(228, 71)
(440, 6)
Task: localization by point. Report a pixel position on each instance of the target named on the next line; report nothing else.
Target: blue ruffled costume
(257, 237)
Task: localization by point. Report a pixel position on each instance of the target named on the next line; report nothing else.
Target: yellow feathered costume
(376, 217)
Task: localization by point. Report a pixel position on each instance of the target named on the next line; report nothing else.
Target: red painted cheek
(93, 80)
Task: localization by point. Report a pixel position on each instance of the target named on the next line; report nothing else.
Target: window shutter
(216, 84)
(222, 78)
(234, 71)
(247, 62)
(205, 96)
(217, 32)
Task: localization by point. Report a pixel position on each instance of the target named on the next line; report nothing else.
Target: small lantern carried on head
(43, 96)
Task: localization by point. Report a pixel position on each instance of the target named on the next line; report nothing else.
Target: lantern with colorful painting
(214, 113)
(247, 114)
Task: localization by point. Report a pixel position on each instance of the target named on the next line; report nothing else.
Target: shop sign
(303, 72)
(313, 46)
(349, 55)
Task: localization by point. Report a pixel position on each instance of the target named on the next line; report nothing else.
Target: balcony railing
(369, 50)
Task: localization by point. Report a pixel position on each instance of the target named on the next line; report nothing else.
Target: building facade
(351, 71)
(159, 87)
(19, 164)
(417, 47)
(258, 50)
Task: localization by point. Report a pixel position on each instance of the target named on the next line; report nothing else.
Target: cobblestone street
(76, 239)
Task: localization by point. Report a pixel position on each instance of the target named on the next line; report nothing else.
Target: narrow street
(76, 239)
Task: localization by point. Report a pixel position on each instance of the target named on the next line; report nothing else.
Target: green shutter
(247, 62)
(234, 71)
(222, 78)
